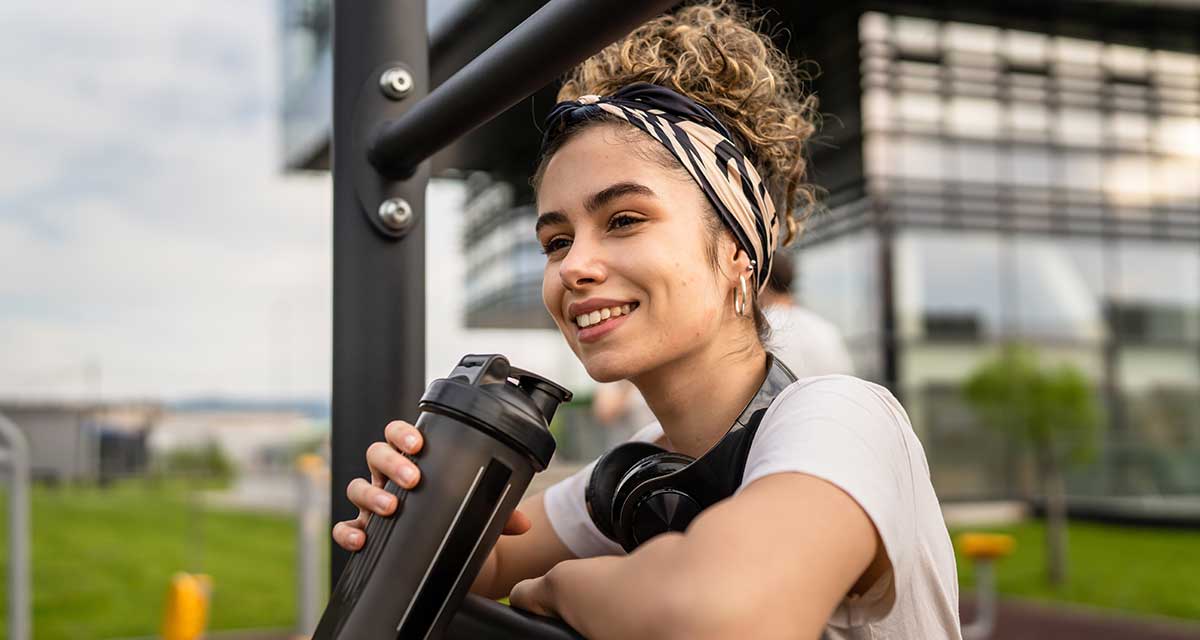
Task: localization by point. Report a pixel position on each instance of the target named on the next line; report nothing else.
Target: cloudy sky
(149, 244)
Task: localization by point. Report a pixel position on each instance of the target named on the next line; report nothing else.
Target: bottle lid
(510, 404)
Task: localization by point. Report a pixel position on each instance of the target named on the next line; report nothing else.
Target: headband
(703, 146)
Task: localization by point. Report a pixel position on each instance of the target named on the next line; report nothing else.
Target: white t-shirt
(807, 343)
(854, 434)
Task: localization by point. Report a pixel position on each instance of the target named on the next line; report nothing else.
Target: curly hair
(714, 53)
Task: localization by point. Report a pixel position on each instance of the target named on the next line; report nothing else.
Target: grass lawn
(1138, 570)
(102, 560)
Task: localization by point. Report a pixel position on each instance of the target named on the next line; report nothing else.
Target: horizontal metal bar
(559, 35)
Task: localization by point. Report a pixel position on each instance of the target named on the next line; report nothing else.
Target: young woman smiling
(657, 194)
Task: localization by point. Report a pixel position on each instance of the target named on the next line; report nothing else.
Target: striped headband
(703, 146)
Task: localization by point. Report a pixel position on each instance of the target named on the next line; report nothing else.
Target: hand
(386, 463)
(534, 595)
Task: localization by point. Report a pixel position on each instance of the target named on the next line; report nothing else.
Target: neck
(697, 398)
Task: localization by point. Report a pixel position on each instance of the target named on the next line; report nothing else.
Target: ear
(735, 260)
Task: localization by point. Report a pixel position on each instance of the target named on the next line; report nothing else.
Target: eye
(555, 244)
(622, 220)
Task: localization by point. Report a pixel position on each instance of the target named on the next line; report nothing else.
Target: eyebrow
(596, 200)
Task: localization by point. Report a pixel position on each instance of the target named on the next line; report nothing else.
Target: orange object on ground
(986, 545)
(186, 614)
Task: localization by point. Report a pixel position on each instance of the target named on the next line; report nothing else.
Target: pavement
(1019, 619)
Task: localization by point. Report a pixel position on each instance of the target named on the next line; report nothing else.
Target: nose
(583, 265)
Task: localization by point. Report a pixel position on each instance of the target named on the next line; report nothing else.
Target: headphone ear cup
(607, 475)
(630, 488)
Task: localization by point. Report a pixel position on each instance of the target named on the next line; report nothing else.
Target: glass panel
(1157, 291)
(948, 285)
(838, 281)
(1058, 287)
(1158, 451)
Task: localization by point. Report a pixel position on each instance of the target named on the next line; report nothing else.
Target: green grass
(102, 560)
(1137, 570)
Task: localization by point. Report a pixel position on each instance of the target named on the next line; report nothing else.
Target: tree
(1054, 412)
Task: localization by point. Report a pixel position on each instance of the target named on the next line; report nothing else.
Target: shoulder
(835, 397)
(837, 426)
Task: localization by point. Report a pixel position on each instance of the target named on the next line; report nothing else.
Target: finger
(517, 524)
(383, 459)
(404, 436)
(369, 497)
(348, 535)
(530, 595)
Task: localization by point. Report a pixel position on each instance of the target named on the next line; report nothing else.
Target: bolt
(396, 214)
(396, 83)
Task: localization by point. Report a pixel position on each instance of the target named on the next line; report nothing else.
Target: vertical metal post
(378, 278)
(310, 535)
(16, 459)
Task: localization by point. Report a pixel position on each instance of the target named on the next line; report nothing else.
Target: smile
(601, 315)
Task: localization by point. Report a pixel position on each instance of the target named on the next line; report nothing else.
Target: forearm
(486, 578)
(627, 597)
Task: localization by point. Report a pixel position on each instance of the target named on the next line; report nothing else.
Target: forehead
(598, 157)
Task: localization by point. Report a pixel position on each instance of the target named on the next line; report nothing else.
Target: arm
(517, 557)
(744, 568)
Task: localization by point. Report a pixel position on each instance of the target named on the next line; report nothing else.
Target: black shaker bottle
(486, 432)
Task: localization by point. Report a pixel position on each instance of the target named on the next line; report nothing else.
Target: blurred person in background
(807, 343)
(620, 411)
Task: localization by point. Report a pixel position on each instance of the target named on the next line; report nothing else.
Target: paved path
(1025, 620)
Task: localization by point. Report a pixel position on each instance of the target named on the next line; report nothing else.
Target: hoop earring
(740, 305)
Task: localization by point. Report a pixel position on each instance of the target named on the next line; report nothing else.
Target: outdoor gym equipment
(385, 127)
(486, 432)
(984, 549)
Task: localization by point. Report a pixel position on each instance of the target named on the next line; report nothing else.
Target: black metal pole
(378, 269)
(559, 35)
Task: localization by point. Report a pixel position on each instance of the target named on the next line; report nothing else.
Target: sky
(150, 245)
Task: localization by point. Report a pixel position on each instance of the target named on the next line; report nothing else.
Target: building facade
(1032, 179)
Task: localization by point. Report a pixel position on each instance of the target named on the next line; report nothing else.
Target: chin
(607, 366)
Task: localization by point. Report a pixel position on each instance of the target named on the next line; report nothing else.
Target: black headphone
(639, 490)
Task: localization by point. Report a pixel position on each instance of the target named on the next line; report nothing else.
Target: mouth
(601, 316)
(592, 326)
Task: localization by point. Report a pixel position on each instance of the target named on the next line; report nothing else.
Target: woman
(658, 219)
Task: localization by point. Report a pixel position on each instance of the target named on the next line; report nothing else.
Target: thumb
(517, 524)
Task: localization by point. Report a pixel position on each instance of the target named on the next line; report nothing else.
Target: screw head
(396, 83)
(396, 214)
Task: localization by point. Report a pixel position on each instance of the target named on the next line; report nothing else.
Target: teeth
(595, 317)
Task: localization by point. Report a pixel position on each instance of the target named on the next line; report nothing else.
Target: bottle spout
(545, 394)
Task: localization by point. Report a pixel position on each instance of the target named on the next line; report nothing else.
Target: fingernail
(353, 538)
(383, 502)
(410, 442)
(409, 474)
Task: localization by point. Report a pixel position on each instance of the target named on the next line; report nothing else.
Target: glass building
(1037, 183)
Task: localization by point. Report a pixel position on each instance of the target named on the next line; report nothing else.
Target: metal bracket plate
(372, 108)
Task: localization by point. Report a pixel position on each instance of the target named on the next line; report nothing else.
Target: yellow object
(986, 546)
(311, 464)
(186, 613)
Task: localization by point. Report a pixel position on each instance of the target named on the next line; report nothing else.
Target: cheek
(551, 290)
